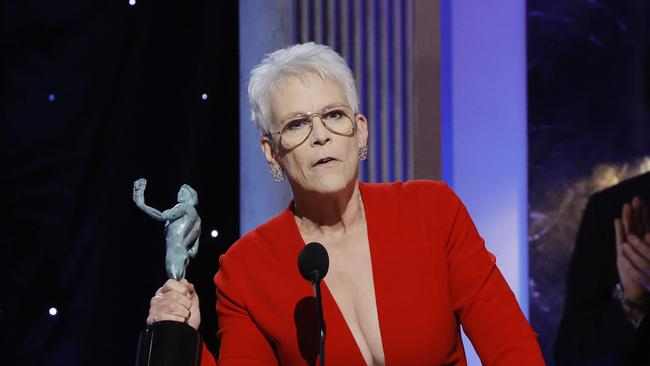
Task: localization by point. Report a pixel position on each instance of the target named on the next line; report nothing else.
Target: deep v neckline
(328, 298)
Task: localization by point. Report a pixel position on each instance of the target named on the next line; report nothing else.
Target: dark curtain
(96, 94)
(588, 108)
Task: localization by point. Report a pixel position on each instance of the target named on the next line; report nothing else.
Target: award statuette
(170, 342)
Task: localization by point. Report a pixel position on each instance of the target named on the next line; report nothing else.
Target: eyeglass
(297, 128)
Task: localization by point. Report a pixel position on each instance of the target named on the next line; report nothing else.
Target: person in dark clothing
(608, 283)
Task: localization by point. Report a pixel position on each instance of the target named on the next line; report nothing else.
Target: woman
(407, 266)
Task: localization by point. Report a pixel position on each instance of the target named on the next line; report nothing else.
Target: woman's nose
(319, 134)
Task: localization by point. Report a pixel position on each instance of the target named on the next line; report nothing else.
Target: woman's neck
(329, 214)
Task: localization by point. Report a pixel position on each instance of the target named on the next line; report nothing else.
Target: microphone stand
(316, 285)
(313, 263)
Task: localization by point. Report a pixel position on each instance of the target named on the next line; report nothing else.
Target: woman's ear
(362, 129)
(267, 148)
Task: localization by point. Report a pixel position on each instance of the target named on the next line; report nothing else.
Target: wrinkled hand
(633, 250)
(138, 190)
(175, 300)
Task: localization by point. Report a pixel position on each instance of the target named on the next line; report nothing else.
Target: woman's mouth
(323, 161)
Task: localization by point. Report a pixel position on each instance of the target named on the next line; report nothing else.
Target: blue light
(485, 146)
(51, 98)
(53, 311)
(131, 2)
(204, 96)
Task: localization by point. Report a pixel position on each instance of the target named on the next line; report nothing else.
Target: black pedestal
(169, 343)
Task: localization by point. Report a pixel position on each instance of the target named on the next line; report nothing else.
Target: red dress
(431, 271)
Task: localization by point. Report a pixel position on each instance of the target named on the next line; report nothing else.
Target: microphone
(313, 263)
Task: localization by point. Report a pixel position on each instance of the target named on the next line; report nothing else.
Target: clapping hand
(633, 251)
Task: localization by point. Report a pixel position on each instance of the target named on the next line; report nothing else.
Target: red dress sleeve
(235, 325)
(206, 357)
(484, 304)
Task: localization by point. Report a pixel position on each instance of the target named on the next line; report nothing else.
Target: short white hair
(297, 60)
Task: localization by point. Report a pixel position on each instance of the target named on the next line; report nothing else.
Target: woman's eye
(295, 124)
(332, 115)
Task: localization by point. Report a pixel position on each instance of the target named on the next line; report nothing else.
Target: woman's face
(325, 162)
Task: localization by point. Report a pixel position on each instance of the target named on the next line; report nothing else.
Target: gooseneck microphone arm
(321, 321)
(313, 263)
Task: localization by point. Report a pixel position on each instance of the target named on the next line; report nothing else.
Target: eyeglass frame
(310, 116)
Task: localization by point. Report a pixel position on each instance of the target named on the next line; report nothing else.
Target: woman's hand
(176, 300)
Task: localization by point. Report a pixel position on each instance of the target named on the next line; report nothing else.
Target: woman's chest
(351, 284)
(396, 289)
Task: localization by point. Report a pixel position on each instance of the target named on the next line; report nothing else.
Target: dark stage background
(589, 127)
(96, 94)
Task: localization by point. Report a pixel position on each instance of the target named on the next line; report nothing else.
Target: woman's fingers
(173, 297)
(181, 287)
(189, 286)
(168, 309)
(156, 318)
(173, 301)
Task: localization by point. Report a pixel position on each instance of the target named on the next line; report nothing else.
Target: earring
(363, 152)
(276, 173)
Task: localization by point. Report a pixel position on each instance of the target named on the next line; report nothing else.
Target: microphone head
(313, 262)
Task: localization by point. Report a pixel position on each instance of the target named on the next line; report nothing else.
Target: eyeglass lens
(296, 129)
